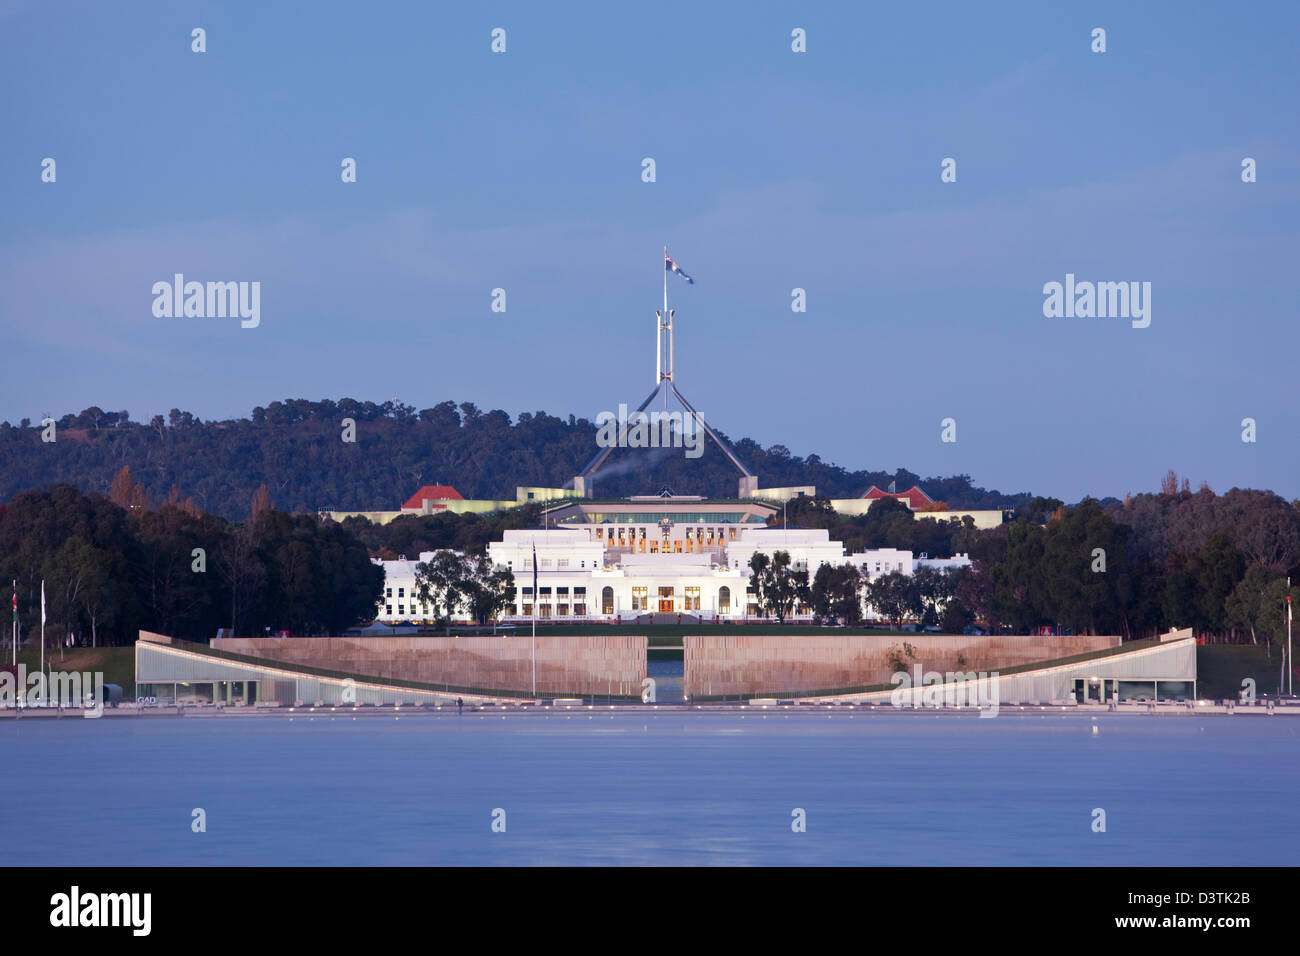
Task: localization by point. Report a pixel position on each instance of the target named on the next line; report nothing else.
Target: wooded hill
(296, 449)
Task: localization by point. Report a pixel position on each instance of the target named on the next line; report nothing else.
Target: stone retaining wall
(569, 666)
(753, 665)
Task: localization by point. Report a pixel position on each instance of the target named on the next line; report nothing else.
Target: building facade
(619, 560)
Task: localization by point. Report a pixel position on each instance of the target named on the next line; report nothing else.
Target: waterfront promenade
(524, 709)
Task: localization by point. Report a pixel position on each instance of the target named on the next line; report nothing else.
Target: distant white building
(873, 564)
(615, 561)
(942, 564)
(399, 602)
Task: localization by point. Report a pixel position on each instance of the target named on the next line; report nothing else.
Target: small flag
(42, 602)
(674, 267)
(534, 579)
(15, 602)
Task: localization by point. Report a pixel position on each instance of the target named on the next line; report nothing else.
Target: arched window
(724, 600)
(607, 600)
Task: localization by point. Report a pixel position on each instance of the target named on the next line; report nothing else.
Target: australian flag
(673, 267)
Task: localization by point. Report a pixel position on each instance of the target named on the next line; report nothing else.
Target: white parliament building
(620, 560)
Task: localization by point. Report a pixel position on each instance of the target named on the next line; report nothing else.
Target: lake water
(591, 788)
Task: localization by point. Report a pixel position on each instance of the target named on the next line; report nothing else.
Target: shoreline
(530, 708)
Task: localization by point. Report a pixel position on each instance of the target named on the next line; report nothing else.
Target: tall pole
(668, 318)
(1289, 666)
(535, 597)
(14, 628)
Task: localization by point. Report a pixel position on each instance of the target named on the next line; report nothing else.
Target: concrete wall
(161, 665)
(754, 665)
(567, 666)
(1171, 664)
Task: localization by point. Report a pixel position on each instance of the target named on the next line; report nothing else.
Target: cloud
(1181, 220)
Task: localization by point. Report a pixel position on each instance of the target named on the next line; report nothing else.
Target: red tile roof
(914, 497)
(436, 492)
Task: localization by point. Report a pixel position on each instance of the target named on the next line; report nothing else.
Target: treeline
(296, 449)
(409, 535)
(113, 567)
(888, 523)
(1217, 564)
(1140, 567)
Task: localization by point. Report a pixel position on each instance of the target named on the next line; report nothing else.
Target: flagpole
(42, 627)
(534, 619)
(666, 318)
(14, 628)
(1289, 666)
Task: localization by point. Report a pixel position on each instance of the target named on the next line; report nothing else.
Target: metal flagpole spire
(659, 329)
(665, 322)
(665, 383)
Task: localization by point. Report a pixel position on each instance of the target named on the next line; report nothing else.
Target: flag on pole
(15, 602)
(42, 602)
(534, 577)
(674, 267)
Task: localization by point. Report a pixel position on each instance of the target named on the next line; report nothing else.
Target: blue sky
(775, 170)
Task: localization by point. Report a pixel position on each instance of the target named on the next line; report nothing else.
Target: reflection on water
(595, 788)
(667, 672)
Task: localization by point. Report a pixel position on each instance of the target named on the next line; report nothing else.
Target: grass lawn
(670, 635)
(117, 663)
(1220, 669)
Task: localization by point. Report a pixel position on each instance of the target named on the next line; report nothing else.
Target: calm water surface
(891, 789)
